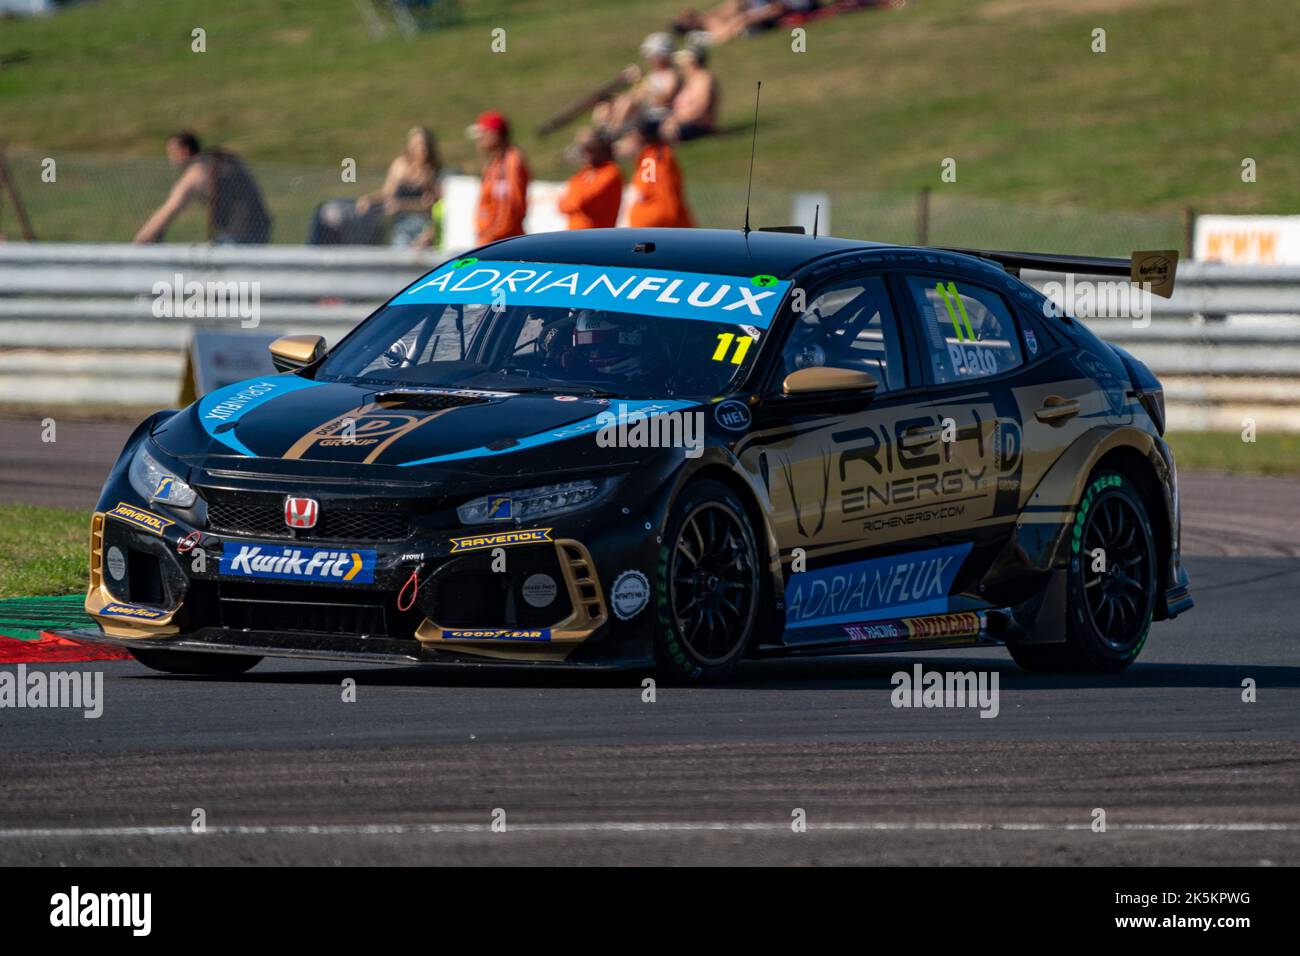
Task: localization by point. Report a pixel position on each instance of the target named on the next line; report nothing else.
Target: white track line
(381, 829)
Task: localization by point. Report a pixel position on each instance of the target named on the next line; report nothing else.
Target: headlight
(535, 502)
(153, 482)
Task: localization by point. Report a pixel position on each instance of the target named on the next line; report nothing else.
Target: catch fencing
(79, 323)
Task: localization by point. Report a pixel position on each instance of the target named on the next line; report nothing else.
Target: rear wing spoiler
(1155, 267)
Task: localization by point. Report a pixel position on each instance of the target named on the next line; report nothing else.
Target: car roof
(720, 251)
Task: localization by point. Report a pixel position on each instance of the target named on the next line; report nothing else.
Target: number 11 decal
(724, 345)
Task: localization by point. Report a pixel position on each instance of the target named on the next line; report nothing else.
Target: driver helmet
(607, 347)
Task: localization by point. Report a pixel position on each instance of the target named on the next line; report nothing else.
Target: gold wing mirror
(292, 352)
(809, 381)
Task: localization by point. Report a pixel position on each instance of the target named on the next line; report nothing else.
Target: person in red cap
(592, 197)
(503, 196)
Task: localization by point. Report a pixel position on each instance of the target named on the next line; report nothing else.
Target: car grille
(313, 610)
(335, 523)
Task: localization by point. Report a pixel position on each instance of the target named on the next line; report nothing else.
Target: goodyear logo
(300, 564)
(141, 519)
(132, 611)
(501, 539)
(497, 634)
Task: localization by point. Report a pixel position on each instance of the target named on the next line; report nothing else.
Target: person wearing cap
(695, 108)
(503, 195)
(657, 179)
(593, 194)
(653, 90)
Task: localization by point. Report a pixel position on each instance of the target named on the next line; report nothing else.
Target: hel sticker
(497, 634)
(500, 509)
(666, 294)
(913, 583)
(188, 543)
(629, 595)
(299, 564)
(132, 611)
(501, 539)
(1032, 341)
(539, 590)
(732, 415)
(115, 561)
(141, 519)
(566, 398)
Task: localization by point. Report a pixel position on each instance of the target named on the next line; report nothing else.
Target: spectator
(503, 196)
(594, 192)
(695, 108)
(734, 18)
(657, 179)
(653, 90)
(236, 212)
(410, 189)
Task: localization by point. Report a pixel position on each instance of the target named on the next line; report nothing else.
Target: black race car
(661, 447)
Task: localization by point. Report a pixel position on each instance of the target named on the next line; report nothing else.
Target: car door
(974, 356)
(852, 508)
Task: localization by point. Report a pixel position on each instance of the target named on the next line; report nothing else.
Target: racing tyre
(1110, 584)
(187, 662)
(709, 586)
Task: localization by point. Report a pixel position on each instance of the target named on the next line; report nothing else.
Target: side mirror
(291, 352)
(836, 381)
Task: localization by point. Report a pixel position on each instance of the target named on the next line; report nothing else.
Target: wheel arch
(729, 474)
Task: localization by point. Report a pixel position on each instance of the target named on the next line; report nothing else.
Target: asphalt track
(587, 772)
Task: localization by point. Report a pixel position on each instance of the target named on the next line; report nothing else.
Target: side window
(850, 325)
(968, 330)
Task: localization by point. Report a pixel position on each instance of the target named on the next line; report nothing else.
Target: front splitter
(332, 647)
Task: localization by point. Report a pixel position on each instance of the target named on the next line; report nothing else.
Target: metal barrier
(78, 322)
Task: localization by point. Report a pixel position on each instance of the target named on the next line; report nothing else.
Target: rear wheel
(1110, 584)
(187, 662)
(709, 586)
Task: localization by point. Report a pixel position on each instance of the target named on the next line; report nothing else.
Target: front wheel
(188, 662)
(1110, 584)
(709, 586)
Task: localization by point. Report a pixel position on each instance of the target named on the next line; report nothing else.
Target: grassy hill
(1043, 129)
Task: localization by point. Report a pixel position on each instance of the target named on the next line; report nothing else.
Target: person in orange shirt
(657, 179)
(594, 192)
(503, 196)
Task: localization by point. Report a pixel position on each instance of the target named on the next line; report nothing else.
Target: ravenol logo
(500, 509)
(502, 539)
(141, 519)
(300, 564)
(497, 634)
(130, 610)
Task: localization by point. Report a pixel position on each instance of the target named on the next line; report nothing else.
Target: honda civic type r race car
(663, 447)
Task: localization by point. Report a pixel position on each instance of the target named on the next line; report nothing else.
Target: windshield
(681, 341)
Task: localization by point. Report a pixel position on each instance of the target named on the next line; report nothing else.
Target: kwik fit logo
(300, 564)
